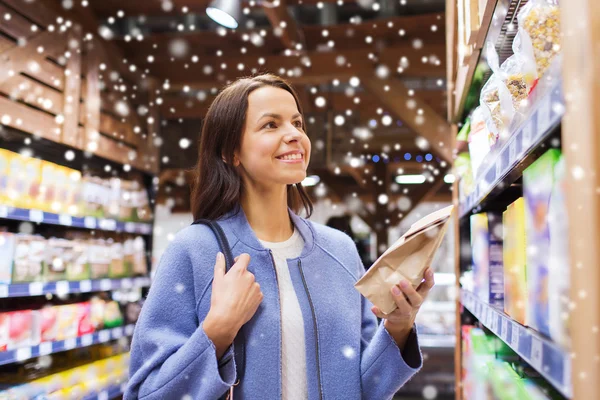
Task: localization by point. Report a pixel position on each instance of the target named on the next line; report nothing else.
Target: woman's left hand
(399, 322)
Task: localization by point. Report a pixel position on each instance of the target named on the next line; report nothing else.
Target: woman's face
(275, 149)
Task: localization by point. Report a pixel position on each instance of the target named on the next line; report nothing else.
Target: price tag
(105, 285)
(3, 291)
(62, 288)
(108, 224)
(117, 332)
(45, 348)
(504, 328)
(526, 135)
(85, 286)
(24, 353)
(3, 211)
(567, 383)
(36, 288)
(514, 340)
(145, 228)
(495, 324)
(104, 336)
(65, 219)
(512, 152)
(103, 395)
(536, 353)
(87, 340)
(543, 115)
(498, 168)
(129, 227)
(70, 343)
(89, 222)
(129, 329)
(36, 216)
(126, 283)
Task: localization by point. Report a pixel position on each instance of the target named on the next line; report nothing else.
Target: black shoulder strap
(221, 238)
(226, 250)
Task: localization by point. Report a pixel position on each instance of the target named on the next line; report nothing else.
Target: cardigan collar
(237, 222)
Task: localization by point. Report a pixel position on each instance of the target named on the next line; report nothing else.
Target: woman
(307, 332)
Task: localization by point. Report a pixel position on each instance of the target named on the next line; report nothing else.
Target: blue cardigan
(348, 356)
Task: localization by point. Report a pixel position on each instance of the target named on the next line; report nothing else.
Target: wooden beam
(283, 22)
(72, 93)
(429, 124)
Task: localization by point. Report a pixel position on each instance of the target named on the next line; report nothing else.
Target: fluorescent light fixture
(410, 179)
(449, 178)
(311, 180)
(225, 12)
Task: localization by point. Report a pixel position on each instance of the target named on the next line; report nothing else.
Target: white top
(293, 353)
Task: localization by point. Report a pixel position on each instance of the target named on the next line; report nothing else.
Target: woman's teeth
(291, 157)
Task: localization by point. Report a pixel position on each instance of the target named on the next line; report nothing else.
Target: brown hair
(217, 185)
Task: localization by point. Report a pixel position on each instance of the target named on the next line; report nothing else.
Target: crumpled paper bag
(406, 259)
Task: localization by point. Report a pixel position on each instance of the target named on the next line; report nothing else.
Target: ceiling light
(225, 12)
(410, 179)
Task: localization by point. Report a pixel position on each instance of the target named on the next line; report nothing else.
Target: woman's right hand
(234, 300)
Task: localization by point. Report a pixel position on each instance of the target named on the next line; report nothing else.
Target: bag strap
(238, 342)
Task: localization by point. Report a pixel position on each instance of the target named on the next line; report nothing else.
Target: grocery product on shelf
(7, 249)
(539, 21)
(515, 261)
(559, 264)
(84, 318)
(48, 321)
(30, 254)
(68, 321)
(5, 160)
(479, 142)
(520, 77)
(538, 181)
(486, 242)
(99, 258)
(112, 315)
(21, 329)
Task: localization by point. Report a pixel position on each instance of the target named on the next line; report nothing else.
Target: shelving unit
(110, 392)
(46, 348)
(566, 116)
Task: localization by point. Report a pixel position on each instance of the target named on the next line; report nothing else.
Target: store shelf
(42, 217)
(66, 287)
(549, 360)
(501, 168)
(108, 393)
(102, 336)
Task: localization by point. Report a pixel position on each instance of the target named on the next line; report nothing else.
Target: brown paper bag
(406, 259)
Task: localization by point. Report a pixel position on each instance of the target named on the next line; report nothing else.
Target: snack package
(68, 321)
(538, 182)
(30, 255)
(94, 197)
(74, 193)
(7, 254)
(112, 315)
(59, 258)
(4, 331)
(488, 270)
(539, 32)
(84, 317)
(140, 265)
(21, 327)
(126, 203)
(115, 192)
(97, 306)
(79, 267)
(5, 160)
(479, 143)
(99, 259)
(520, 77)
(48, 187)
(559, 260)
(31, 185)
(515, 261)
(68, 188)
(48, 317)
(118, 267)
(16, 181)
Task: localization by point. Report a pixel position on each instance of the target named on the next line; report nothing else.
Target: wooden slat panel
(92, 99)
(29, 120)
(34, 10)
(31, 92)
(16, 26)
(112, 150)
(49, 73)
(119, 130)
(6, 44)
(70, 134)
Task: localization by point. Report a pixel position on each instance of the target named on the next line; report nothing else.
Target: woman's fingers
(402, 303)
(411, 294)
(378, 313)
(426, 285)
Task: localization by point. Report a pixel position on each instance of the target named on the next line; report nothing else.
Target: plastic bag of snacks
(520, 76)
(495, 99)
(539, 32)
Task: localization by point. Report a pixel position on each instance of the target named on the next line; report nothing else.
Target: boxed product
(486, 242)
(21, 329)
(49, 187)
(94, 197)
(84, 317)
(31, 184)
(140, 266)
(99, 258)
(118, 267)
(68, 321)
(5, 161)
(559, 260)
(7, 254)
(97, 306)
(30, 254)
(112, 315)
(79, 268)
(48, 317)
(16, 181)
(59, 257)
(538, 182)
(73, 193)
(515, 261)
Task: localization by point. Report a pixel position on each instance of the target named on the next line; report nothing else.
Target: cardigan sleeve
(384, 369)
(171, 356)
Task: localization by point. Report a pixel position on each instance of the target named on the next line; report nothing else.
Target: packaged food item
(559, 260)
(515, 262)
(118, 267)
(16, 181)
(126, 204)
(115, 194)
(31, 184)
(520, 77)
(94, 197)
(479, 143)
(4, 331)
(48, 323)
(79, 268)
(128, 254)
(73, 190)
(486, 242)
(538, 181)
(97, 306)
(48, 187)
(84, 318)
(140, 265)
(59, 258)
(112, 315)
(5, 160)
(30, 255)
(7, 252)
(99, 259)
(68, 321)
(539, 24)
(20, 329)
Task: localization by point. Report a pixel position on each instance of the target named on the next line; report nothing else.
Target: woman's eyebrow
(277, 116)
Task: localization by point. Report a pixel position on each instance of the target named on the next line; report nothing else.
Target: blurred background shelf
(66, 287)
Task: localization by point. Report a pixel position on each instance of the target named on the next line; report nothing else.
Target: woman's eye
(270, 125)
(298, 124)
